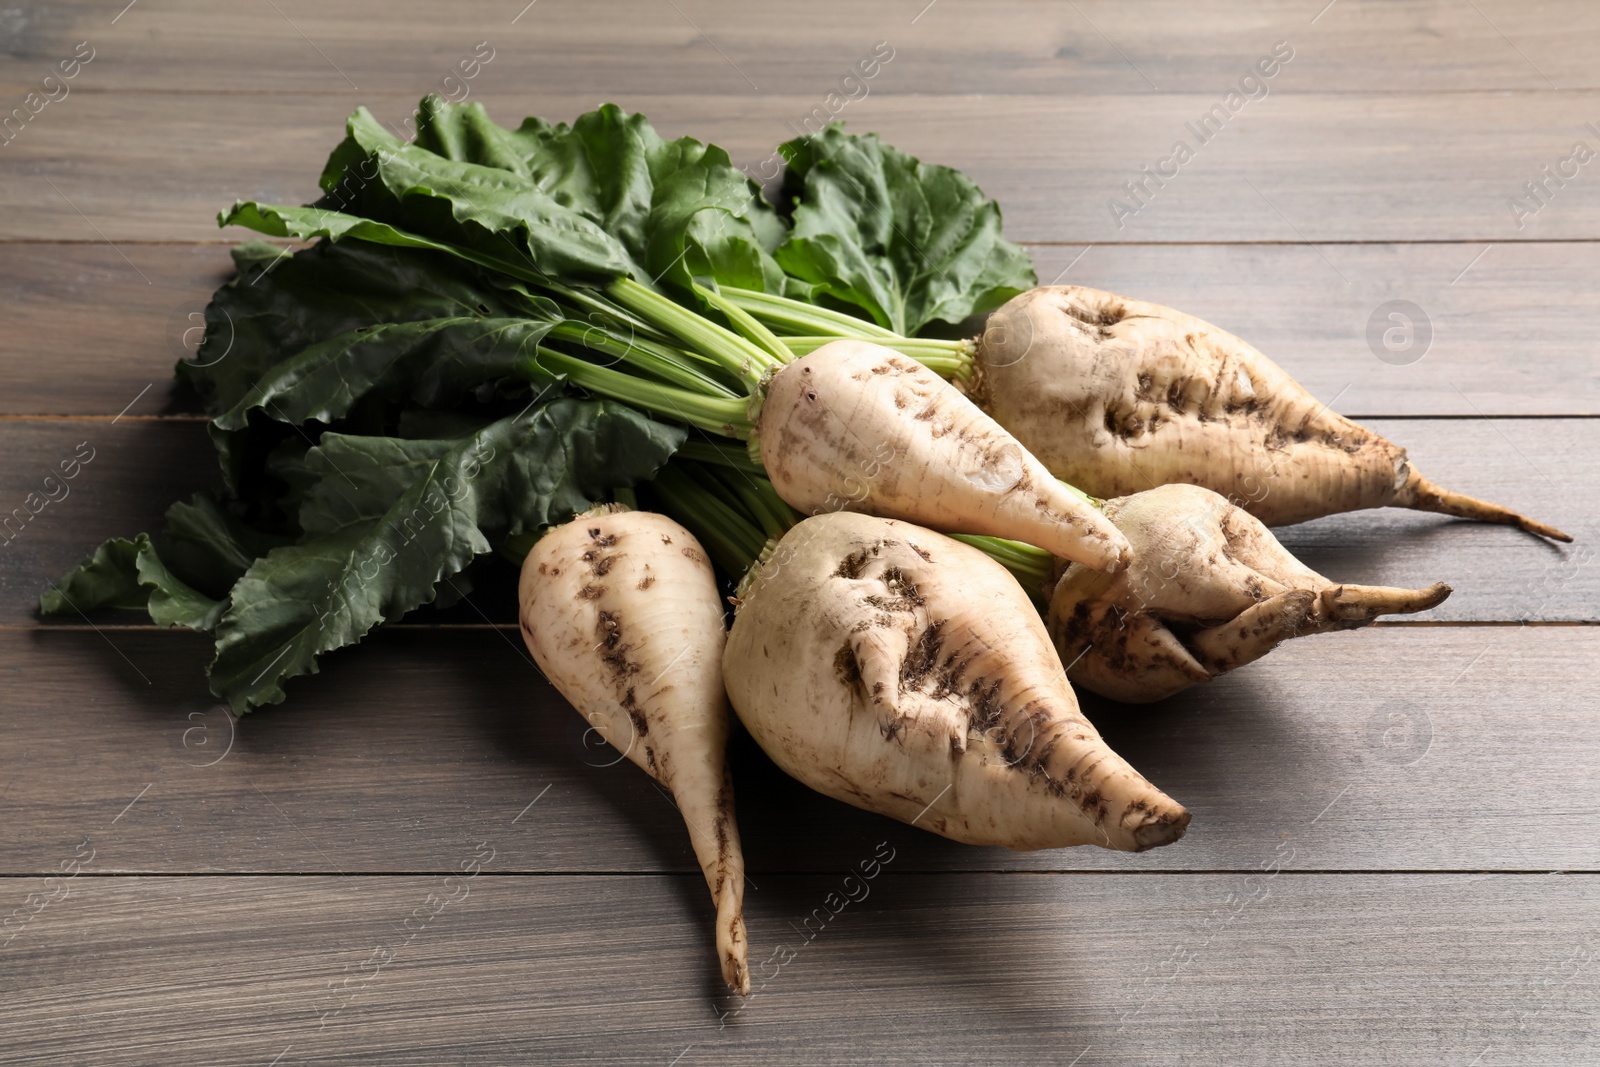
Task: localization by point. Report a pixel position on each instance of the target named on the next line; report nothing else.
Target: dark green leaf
(431, 363)
(464, 132)
(389, 521)
(907, 242)
(573, 453)
(680, 208)
(172, 602)
(210, 548)
(107, 578)
(129, 574)
(486, 210)
(603, 197)
(308, 223)
(280, 303)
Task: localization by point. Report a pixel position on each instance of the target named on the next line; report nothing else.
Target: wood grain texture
(1512, 335)
(86, 333)
(1291, 167)
(978, 969)
(1420, 748)
(951, 48)
(1548, 467)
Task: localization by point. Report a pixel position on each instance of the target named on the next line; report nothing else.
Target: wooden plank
(1397, 969)
(1548, 467)
(87, 333)
(1294, 167)
(1420, 748)
(1033, 46)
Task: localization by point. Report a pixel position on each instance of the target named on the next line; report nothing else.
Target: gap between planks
(1320, 872)
(1130, 90)
(222, 242)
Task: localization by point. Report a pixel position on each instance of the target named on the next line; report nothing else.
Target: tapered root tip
(731, 947)
(1160, 829)
(1544, 530)
(1362, 603)
(1423, 495)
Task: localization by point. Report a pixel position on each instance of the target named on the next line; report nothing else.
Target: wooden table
(1396, 834)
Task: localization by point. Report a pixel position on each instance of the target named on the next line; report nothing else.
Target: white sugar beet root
(1117, 395)
(858, 426)
(621, 612)
(1210, 589)
(895, 669)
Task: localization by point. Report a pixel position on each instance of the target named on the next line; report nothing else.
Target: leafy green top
(606, 196)
(907, 242)
(379, 404)
(397, 399)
